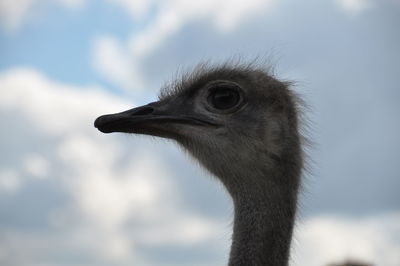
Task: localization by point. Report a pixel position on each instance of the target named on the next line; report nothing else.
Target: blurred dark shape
(351, 263)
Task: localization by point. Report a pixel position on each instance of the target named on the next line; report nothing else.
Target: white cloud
(110, 59)
(164, 25)
(9, 180)
(72, 4)
(114, 60)
(137, 8)
(110, 184)
(55, 108)
(16, 13)
(333, 239)
(174, 14)
(36, 165)
(13, 13)
(354, 6)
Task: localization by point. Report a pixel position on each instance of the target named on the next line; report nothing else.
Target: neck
(265, 204)
(264, 218)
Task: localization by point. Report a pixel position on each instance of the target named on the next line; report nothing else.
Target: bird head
(221, 115)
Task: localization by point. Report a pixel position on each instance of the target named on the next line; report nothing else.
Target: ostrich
(241, 124)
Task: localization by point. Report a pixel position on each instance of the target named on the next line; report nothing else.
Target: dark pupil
(224, 98)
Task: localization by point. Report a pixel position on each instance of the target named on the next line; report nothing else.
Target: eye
(223, 98)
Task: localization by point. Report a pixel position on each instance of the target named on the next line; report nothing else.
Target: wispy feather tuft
(192, 79)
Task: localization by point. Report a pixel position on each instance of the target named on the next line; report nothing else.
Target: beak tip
(99, 122)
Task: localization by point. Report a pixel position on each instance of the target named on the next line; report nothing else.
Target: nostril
(144, 111)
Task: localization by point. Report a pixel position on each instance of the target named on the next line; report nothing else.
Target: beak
(156, 119)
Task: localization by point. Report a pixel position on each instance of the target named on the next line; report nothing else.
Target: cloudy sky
(72, 196)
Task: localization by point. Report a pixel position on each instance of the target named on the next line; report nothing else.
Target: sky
(72, 196)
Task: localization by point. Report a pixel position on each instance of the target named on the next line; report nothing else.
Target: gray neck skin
(265, 208)
(264, 199)
(263, 227)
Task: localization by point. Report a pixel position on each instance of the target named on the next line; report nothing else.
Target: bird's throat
(263, 225)
(264, 193)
